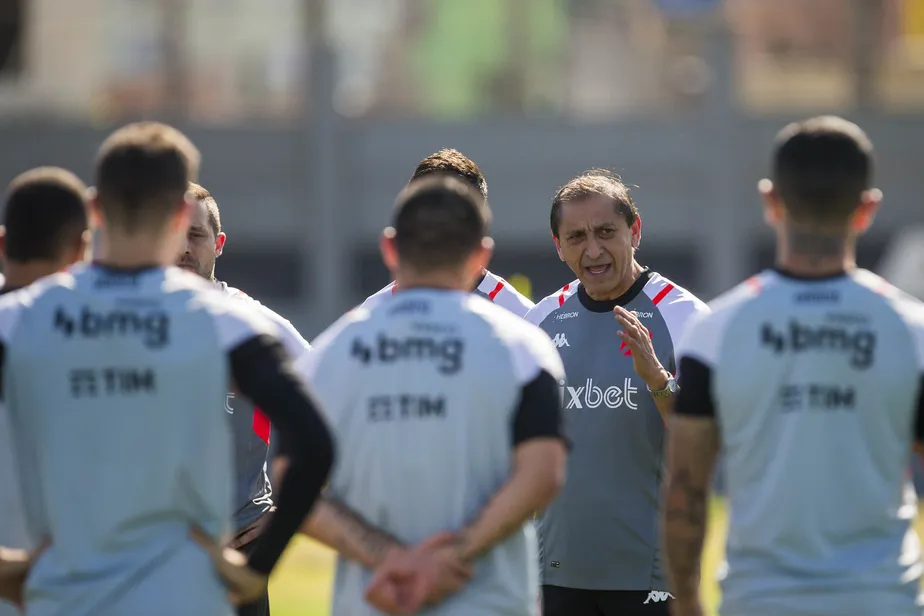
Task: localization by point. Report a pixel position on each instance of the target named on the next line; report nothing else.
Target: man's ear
(220, 244)
(557, 243)
(636, 231)
(83, 249)
(2, 242)
(865, 213)
(774, 213)
(95, 215)
(388, 250)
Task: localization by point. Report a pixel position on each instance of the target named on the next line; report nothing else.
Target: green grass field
(302, 584)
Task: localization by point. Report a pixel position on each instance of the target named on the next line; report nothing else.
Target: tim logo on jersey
(859, 344)
(591, 396)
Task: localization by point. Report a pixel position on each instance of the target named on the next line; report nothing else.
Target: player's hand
(14, 569)
(409, 579)
(243, 583)
(253, 532)
(638, 339)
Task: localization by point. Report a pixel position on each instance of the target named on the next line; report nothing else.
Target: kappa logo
(560, 341)
(656, 596)
(624, 346)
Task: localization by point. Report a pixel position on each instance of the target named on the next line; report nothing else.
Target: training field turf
(302, 584)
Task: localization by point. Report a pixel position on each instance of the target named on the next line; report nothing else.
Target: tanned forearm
(664, 404)
(345, 531)
(530, 488)
(692, 450)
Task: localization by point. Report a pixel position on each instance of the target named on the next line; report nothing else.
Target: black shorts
(559, 601)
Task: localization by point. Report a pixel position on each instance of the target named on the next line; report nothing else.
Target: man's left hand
(638, 339)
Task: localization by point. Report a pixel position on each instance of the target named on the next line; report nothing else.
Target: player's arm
(693, 445)
(335, 525)
(262, 371)
(540, 454)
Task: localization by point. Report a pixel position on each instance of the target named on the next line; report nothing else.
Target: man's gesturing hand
(244, 584)
(409, 579)
(638, 339)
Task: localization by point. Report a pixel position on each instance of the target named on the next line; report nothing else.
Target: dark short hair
(438, 222)
(143, 171)
(453, 162)
(202, 195)
(45, 214)
(820, 169)
(594, 183)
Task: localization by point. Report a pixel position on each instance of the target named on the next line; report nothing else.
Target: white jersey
(816, 388)
(491, 287)
(12, 520)
(428, 395)
(113, 379)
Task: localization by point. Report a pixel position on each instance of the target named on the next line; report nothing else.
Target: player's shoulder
(13, 304)
(291, 336)
(530, 347)
(674, 302)
(504, 294)
(235, 321)
(332, 346)
(379, 296)
(909, 308)
(545, 307)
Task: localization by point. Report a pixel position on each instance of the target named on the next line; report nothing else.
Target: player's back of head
(455, 163)
(143, 171)
(438, 222)
(45, 215)
(820, 169)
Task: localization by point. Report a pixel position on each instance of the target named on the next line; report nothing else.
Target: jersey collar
(607, 305)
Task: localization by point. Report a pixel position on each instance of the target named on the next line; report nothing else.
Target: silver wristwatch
(669, 390)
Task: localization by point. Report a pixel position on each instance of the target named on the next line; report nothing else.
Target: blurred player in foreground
(44, 231)
(616, 328)
(446, 409)
(253, 499)
(487, 285)
(112, 373)
(810, 378)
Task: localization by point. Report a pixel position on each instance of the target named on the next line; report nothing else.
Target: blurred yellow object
(522, 284)
(913, 19)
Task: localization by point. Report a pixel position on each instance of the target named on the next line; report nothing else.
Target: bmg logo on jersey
(446, 352)
(860, 344)
(591, 396)
(153, 327)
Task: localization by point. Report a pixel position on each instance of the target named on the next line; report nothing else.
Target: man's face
(202, 247)
(597, 244)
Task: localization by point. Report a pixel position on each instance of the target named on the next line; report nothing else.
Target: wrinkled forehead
(590, 213)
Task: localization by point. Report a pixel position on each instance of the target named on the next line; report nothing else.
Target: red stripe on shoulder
(497, 289)
(753, 283)
(561, 294)
(394, 288)
(662, 294)
(261, 425)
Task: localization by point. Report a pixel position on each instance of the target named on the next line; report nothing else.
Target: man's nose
(594, 248)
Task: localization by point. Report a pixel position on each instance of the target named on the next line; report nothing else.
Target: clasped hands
(410, 578)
